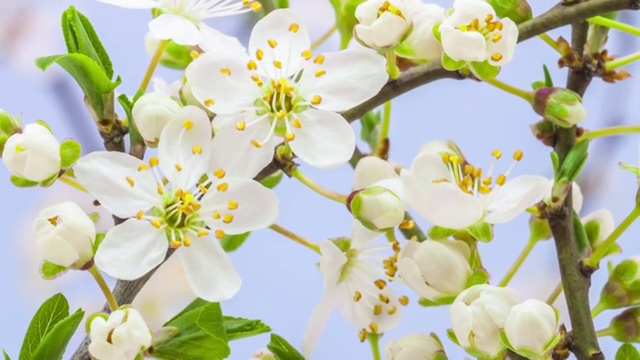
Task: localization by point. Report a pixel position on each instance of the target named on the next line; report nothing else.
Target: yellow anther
(296, 123)
(140, 215)
(496, 57)
(216, 215)
(179, 193)
(403, 300)
(496, 37)
(487, 181)
(160, 189)
(187, 124)
(362, 335)
(259, 54)
(501, 179)
(130, 181)
(219, 173)
(498, 25)
(446, 158)
(319, 59)
(251, 65)
(383, 298)
(373, 327)
(232, 205)
(497, 154)
(202, 188)
(468, 169)
(53, 220)
(241, 125)
(143, 167)
(407, 224)
(227, 218)
(320, 72)
(194, 54)
(316, 100)
(178, 167)
(455, 159)
(289, 136)
(202, 233)
(256, 6)
(517, 155)
(380, 284)
(489, 18)
(357, 296)
(225, 71)
(175, 243)
(272, 43)
(294, 28)
(256, 143)
(222, 187)
(281, 114)
(197, 149)
(306, 54)
(277, 64)
(186, 241)
(377, 309)
(392, 310)
(219, 233)
(156, 223)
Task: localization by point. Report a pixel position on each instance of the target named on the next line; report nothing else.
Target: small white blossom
(151, 114)
(382, 24)
(33, 154)
(121, 336)
(421, 44)
(531, 329)
(473, 33)
(414, 347)
(280, 91)
(65, 235)
(605, 224)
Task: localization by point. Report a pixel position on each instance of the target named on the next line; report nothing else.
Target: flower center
(490, 28)
(388, 7)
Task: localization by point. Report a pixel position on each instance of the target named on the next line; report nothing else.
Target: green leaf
(54, 344)
(437, 232)
(95, 84)
(22, 182)
(370, 128)
(5, 355)
(52, 311)
(481, 231)
(50, 271)
(450, 64)
(80, 37)
(70, 152)
(201, 334)
(282, 350)
(575, 160)
(484, 71)
(238, 328)
(627, 352)
(548, 81)
(582, 240)
(127, 106)
(233, 242)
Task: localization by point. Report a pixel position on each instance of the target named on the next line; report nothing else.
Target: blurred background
(281, 283)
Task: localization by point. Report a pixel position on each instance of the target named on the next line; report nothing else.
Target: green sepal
(5, 355)
(70, 152)
(282, 4)
(483, 70)
(80, 37)
(529, 354)
(282, 350)
(478, 277)
(592, 229)
(548, 80)
(22, 182)
(200, 336)
(98, 241)
(239, 328)
(50, 271)
(481, 231)
(517, 10)
(582, 240)
(538, 84)
(627, 352)
(232, 242)
(436, 32)
(439, 301)
(176, 56)
(49, 181)
(437, 232)
(95, 83)
(272, 180)
(452, 336)
(555, 163)
(127, 106)
(574, 162)
(370, 128)
(539, 229)
(450, 64)
(50, 330)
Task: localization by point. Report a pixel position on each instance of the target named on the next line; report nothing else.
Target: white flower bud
(531, 329)
(65, 235)
(478, 314)
(414, 347)
(151, 113)
(121, 336)
(263, 354)
(435, 269)
(34, 154)
(382, 24)
(421, 44)
(377, 208)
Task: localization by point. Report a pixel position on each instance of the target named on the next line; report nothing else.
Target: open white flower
(181, 20)
(151, 113)
(451, 193)
(282, 91)
(123, 335)
(182, 212)
(382, 24)
(421, 44)
(355, 284)
(33, 154)
(473, 33)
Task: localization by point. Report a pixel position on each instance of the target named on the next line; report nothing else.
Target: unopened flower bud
(123, 335)
(625, 327)
(382, 24)
(174, 56)
(516, 10)
(377, 208)
(8, 126)
(531, 329)
(598, 225)
(435, 269)
(151, 113)
(414, 347)
(562, 107)
(65, 235)
(623, 286)
(33, 154)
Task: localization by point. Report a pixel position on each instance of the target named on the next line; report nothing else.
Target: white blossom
(382, 24)
(121, 336)
(421, 44)
(531, 328)
(414, 347)
(151, 114)
(33, 154)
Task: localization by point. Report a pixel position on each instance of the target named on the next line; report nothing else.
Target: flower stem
(611, 131)
(111, 300)
(620, 62)
(519, 260)
(600, 307)
(324, 37)
(375, 346)
(555, 293)
(295, 237)
(317, 188)
(72, 182)
(525, 95)
(382, 149)
(605, 332)
(153, 64)
(392, 68)
(549, 41)
(604, 247)
(613, 24)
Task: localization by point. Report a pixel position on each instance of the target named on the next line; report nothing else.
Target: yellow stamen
(501, 180)
(225, 71)
(143, 167)
(241, 125)
(194, 54)
(232, 205)
(53, 221)
(222, 187)
(294, 28)
(216, 215)
(256, 143)
(259, 54)
(272, 43)
(186, 241)
(306, 54)
(289, 136)
(373, 327)
(497, 154)
(227, 219)
(277, 64)
(197, 149)
(319, 59)
(377, 309)
(320, 72)
(139, 215)
(357, 296)
(296, 123)
(380, 284)
(496, 57)
(219, 233)
(219, 173)
(209, 102)
(178, 167)
(202, 233)
(130, 181)
(187, 124)
(517, 155)
(316, 100)
(404, 301)
(156, 223)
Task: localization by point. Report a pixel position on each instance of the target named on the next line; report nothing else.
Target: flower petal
(506, 45)
(325, 139)
(220, 43)
(371, 169)
(411, 275)
(514, 198)
(280, 38)
(342, 87)
(251, 206)
(427, 168)
(360, 235)
(108, 177)
(331, 264)
(176, 28)
(317, 323)
(465, 46)
(131, 249)
(209, 270)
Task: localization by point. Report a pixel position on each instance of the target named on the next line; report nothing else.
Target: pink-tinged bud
(562, 107)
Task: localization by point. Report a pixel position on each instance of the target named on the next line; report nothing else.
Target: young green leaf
(5, 355)
(50, 271)
(370, 128)
(627, 352)
(54, 344)
(80, 37)
(233, 242)
(238, 328)
(282, 350)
